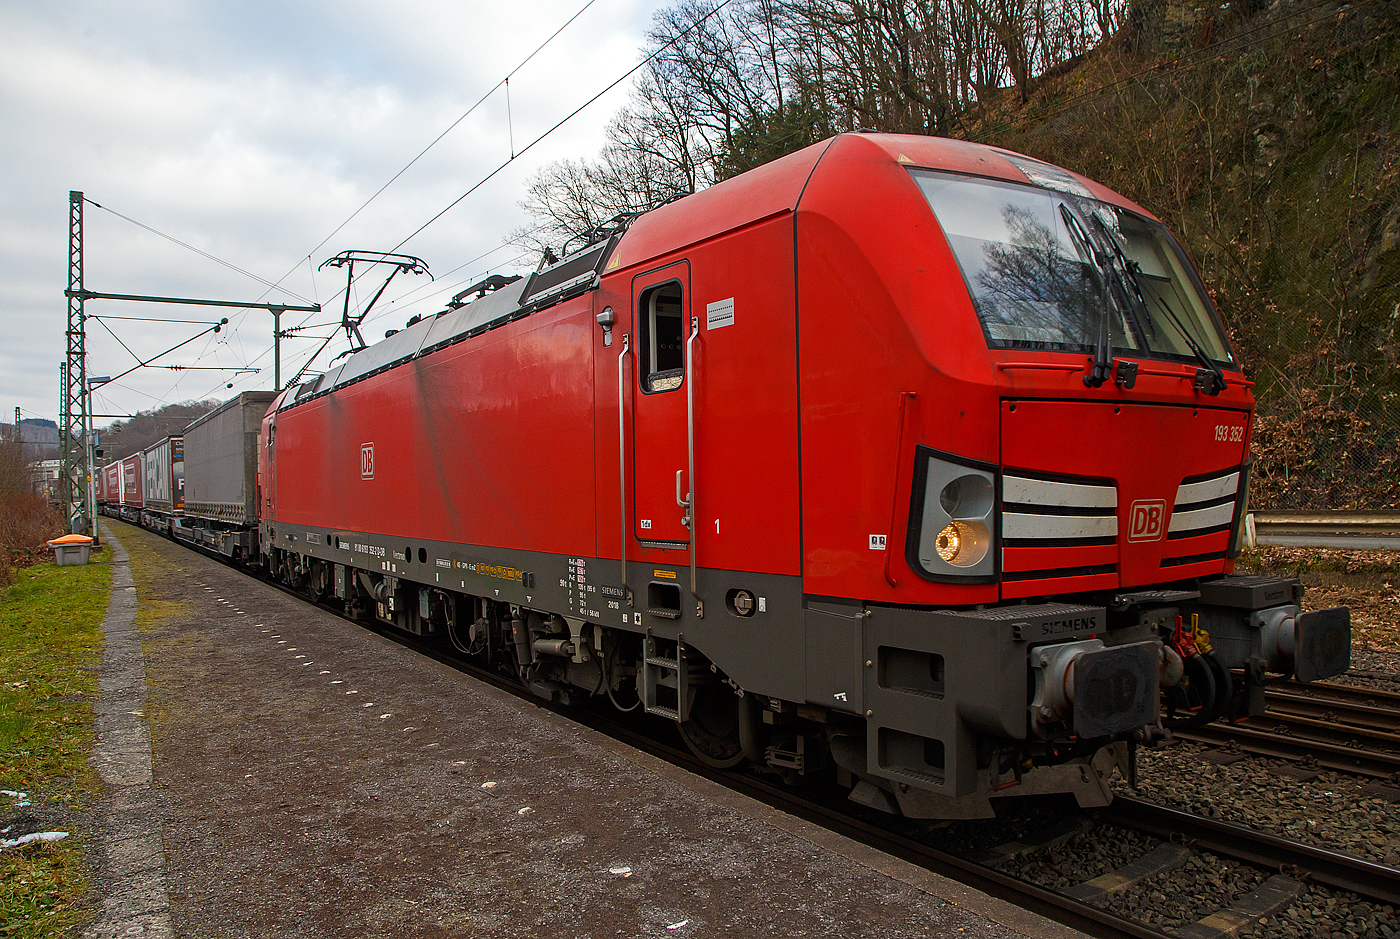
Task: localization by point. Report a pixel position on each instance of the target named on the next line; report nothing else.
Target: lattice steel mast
(76, 487)
(74, 449)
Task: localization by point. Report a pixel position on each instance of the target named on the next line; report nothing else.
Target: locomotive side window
(661, 337)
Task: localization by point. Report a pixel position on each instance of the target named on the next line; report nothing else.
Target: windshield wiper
(1210, 379)
(1103, 369)
(1127, 271)
(1103, 359)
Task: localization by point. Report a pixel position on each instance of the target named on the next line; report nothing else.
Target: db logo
(366, 461)
(1145, 520)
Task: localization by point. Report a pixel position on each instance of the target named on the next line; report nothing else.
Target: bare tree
(732, 88)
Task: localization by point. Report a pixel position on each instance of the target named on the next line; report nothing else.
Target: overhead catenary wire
(623, 77)
(419, 156)
(570, 116)
(271, 285)
(147, 319)
(465, 114)
(199, 251)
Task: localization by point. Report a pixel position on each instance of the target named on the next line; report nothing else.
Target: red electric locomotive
(907, 459)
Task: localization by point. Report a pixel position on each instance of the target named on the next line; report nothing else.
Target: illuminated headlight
(963, 543)
(949, 543)
(953, 518)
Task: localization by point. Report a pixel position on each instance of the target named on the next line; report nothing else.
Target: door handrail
(691, 379)
(622, 460)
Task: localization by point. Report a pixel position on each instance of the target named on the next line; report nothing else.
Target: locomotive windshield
(1045, 268)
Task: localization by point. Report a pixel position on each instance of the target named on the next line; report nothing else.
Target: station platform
(309, 778)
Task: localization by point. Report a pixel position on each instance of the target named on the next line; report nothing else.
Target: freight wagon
(164, 464)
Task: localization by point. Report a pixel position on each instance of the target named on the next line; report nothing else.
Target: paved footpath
(132, 860)
(303, 777)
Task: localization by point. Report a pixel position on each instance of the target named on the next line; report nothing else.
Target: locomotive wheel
(712, 733)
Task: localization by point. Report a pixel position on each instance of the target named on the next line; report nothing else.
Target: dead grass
(26, 523)
(1366, 582)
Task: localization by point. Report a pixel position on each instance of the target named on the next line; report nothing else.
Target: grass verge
(50, 643)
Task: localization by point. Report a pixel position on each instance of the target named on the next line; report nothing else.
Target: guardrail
(1324, 529)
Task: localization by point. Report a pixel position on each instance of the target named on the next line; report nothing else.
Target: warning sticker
(719, 314)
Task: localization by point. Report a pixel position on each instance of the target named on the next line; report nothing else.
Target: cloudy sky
(252, 131)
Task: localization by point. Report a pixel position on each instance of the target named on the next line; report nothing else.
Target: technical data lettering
(496, 571)
(583, 596)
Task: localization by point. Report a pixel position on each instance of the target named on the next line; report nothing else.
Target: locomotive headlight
(963, 544)
(952, 521)
(949, 543)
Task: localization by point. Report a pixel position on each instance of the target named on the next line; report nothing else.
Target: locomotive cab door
(661, 314)
(269, 485)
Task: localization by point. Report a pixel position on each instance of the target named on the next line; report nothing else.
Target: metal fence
(1327, 445)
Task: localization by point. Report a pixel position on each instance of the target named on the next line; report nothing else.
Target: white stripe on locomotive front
(1043, 492)
(1203, 518)
(1025, 525)
(1188, 493)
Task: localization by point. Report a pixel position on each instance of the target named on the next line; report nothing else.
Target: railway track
(1282, 872)
(1364, 878)
(1329, 726)
(1343, 706)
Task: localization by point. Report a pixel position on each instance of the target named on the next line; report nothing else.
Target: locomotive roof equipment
(402, 263)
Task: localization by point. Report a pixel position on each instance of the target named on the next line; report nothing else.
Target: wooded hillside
(123, 438)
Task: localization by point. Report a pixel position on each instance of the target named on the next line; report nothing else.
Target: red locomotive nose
(1164, 505)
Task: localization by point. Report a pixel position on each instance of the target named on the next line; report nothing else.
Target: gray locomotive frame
(927, 710)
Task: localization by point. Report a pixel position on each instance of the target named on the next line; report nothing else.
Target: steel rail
(1332, 691)
(1367, 879)
(1358, 530)
(1336, 715)
(1333, 756)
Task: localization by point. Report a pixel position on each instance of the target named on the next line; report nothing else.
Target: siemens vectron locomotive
(906, 460)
